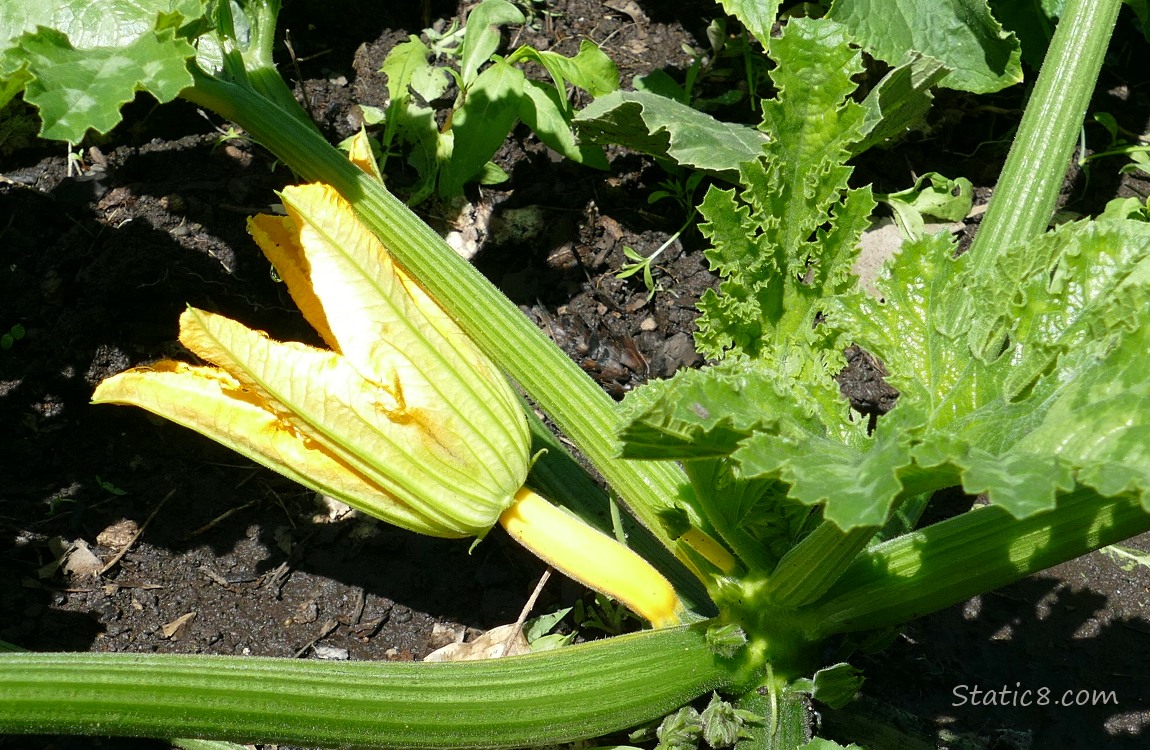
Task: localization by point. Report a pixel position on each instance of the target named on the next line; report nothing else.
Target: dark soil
(232, 559)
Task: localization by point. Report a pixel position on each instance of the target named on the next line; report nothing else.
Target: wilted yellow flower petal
(359, 152)
(392, 332)
(278, 237)
(404, 401)
(216, 405)
(592, 558)
(371, 425)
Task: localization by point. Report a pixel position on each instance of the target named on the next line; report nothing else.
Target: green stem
(1024, 199)
(970, 554)
(577, 405)
(560, 696)
(717, 490)
(814, 564)
(786, 717)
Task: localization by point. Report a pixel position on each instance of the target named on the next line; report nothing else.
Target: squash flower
(401, 417)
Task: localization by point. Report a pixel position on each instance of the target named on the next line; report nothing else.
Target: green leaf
(590, 69)
(1099, 421)
(857, 484)
(481, 125)
(659, 82)
(91, 23)
(1028, 375)
(784, 246)
(1141, 9)
(1127, 558)
(837, 685)
(939, 197)
(698, 413)
(961, 33)
(660, 126)
(543, 110)
(80, 88)
(1020, 381)
(932, 195)
(1126, 208)
(899, 101)
(756, 16)
(482, 35)
(819, 743)
(787, 240)
(1032, 22)
(408, 69)
(409, 64)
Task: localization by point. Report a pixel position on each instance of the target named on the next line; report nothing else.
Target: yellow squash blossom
(402, 417)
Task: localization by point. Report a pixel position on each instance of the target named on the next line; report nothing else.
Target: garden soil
(122, 532)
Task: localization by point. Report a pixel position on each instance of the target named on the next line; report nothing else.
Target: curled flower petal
(369, 425)
(216, 405)
(390, 330)
(429, 434)
(278, 238)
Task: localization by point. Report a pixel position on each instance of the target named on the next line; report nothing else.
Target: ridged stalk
(814, 564)
(1027, 191)
(978, 551)
(580, 692)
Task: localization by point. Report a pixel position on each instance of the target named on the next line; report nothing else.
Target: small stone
(331, 653)
(174, 203)
(118, 535)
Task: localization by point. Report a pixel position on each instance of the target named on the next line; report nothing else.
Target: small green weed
(9, 339)
(682, 191)
(451, 148)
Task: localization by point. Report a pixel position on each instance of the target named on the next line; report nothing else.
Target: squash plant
(1019, 365)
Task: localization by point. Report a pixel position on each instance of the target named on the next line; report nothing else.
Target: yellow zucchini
(591, 558)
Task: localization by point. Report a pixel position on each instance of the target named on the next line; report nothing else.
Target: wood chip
(173, 628)
(505, 640)
(629, 8)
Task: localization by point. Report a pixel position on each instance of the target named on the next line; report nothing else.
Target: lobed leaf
(77, 89)
(93, 23)
(661, 126)
(757, 17)
(1021, 381)
(591, 69)
(698, 413)
(855, 485)
(655, 121)
(1033, 23)
(787, 239)
(1026, 375)
(961, 33)
(900, 100)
